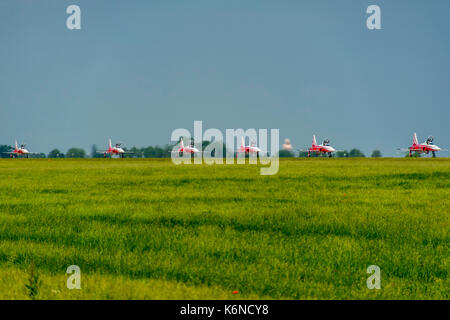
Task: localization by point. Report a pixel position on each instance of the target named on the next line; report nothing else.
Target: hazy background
(139, 69)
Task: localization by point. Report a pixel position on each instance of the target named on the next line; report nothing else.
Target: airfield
(147, 229)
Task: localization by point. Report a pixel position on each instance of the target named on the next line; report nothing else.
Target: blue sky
(137, 70)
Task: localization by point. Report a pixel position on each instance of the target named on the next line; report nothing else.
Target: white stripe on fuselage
(328, 148)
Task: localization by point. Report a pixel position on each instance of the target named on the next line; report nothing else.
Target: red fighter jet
(182, 149)
(323, 148)
(117, 150)
(249, 149)
(425, 147)
(19, 151)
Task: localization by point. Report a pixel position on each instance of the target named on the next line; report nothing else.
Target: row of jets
(116, 150)
(426, 147)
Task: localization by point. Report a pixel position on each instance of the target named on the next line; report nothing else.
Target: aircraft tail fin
(415, 141)
(314, 143)
(16, 144)
(181, 143)
(109, 144)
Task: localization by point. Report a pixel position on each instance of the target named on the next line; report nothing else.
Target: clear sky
(138, 69)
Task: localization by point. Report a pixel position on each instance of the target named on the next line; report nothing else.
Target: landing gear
(309, 154)
(434, 154)
(330, 155)
(410, 154)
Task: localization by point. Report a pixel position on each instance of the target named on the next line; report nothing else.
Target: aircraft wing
(105, 151)
(405, 150)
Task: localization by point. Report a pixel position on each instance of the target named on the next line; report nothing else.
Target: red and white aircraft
(117, 150)
(425, 147)
(182, 149)
(248, 149)
(323, 148)
(19, 151)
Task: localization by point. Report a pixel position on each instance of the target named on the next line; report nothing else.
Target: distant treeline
(147, 152)
(165, 151)
(353, 153)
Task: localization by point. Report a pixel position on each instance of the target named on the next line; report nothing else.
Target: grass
(147, 229)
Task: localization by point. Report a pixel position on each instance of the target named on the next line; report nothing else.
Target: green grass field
(147, 229)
